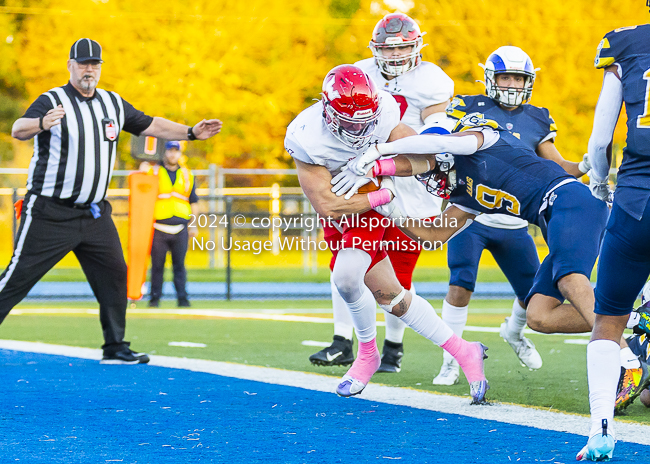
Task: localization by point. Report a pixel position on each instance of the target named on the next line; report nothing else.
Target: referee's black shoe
(339, 353)
(125, 356)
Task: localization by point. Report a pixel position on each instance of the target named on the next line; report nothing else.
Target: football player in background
(493, 171)
(351, 116)
(422, 91)
(624, 264)
(509, 78)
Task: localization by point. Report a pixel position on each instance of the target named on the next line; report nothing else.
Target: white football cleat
(599, 447)
(349, 386)
(449, 373)
(523, 348)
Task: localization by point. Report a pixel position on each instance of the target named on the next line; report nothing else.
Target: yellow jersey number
(494, 199)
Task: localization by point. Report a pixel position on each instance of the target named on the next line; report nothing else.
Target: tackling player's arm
(547, 150)
(461, 143)
(315, 181)
(417, 153)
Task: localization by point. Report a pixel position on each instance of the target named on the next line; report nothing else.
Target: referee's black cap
(86, 50)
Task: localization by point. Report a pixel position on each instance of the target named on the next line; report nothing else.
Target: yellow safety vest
(173, 200)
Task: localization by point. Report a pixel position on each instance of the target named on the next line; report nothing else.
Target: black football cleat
(391, 357)
(339, 353)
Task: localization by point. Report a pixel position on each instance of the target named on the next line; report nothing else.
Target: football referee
(76, 129)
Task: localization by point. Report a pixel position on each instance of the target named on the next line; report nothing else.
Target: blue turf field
(56, 409)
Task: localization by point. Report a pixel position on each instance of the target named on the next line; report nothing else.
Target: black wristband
(40, 123)
(190, 133)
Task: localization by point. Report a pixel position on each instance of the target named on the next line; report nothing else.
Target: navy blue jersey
(629, 47)
(505, 178)
(530, 124)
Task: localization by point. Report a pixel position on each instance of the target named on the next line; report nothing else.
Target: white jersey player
(352, 115)
(422, 91)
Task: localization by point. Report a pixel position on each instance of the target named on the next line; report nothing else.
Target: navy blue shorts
(513, 249)
(624, 264)
(575, 223)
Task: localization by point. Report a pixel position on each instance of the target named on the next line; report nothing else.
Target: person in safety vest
(177, 200)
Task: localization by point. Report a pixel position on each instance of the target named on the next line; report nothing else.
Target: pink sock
(468, 355)
(367, 362)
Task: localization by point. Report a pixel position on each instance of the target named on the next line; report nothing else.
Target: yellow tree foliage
(256, 64)
(245, 63)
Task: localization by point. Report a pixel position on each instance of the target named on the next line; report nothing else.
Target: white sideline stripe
(241, 315)
(507, 413)
(315, 343)
(188, 344)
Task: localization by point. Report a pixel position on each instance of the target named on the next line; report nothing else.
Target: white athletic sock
(603, 372)
(633, 320)
(456, 318)
(364, 315)
(517, 321)
(395, 328)
(422, 318)
(343, 325)
(628, 359)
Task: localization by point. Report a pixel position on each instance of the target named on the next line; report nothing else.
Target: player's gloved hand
(599, 189)
(361, 165)
(585, 165)
(390, 210)
(348, 181)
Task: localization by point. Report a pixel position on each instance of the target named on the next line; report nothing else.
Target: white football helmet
(396, 30)
(509, 60)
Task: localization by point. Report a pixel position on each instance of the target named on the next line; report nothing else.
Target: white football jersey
(423, 86)
(414, 91)
(309, 140)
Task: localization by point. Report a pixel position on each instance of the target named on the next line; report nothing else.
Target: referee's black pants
(177, 245)
(50, 230)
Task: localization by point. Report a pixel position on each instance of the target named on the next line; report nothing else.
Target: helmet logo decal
(328, 88)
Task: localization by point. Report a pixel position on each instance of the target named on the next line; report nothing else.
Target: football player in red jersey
(422, 91)
(351, 116)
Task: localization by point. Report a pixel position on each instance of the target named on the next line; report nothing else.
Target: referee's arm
(166, 129)
(40, 116)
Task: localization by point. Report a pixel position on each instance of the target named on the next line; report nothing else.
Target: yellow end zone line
(220, 314)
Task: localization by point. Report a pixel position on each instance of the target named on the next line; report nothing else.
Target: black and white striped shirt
(74, 160)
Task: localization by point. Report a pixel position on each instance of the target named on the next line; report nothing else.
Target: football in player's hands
(372, 186)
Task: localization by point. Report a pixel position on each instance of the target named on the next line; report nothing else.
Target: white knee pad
(389, 307)
(349, 271)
